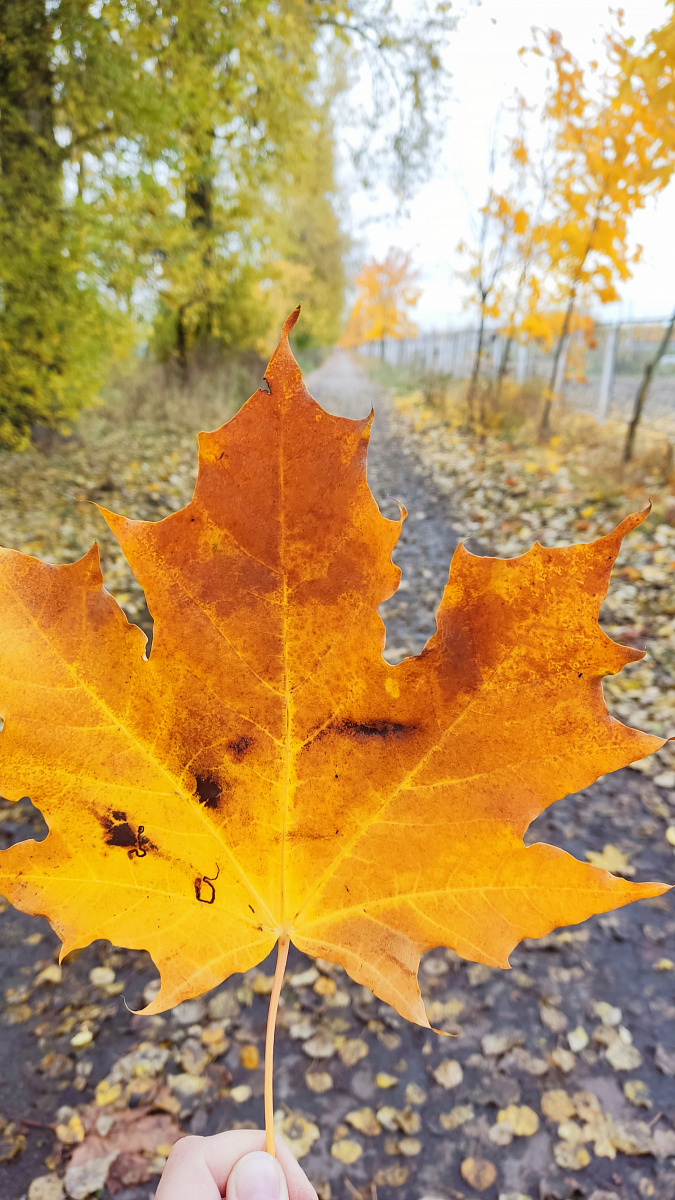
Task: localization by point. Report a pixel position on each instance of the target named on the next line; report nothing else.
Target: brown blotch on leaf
(372, 729)
(240, 747)
(118, 831)
(208, 791)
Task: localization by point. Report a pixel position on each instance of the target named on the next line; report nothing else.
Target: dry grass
(591, 452)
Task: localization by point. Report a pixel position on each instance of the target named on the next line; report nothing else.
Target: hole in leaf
(20, 821)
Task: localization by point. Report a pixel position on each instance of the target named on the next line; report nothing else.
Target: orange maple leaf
(265, 774)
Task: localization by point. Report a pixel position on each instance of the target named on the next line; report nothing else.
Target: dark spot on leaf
(240, 746)
(119, 816)
(119, 834)
(208, 791)
(372, 729)
(361, 731)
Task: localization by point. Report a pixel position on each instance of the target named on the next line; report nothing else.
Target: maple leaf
(265, 774)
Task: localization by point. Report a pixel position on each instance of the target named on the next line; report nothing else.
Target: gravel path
(359, 1090)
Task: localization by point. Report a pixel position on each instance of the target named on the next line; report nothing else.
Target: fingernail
(257, 1176)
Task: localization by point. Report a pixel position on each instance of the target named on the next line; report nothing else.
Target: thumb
(257, 1176)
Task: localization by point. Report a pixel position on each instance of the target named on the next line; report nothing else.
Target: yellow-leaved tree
(386, 291)
(647, 91)
(607, 166)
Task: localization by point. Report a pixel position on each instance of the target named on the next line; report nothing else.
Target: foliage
(606, 168)
(53, 318)
(320, 793)
(385, 291)
(172, 166)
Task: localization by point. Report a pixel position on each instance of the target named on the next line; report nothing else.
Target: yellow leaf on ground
(612, 859)
(318, 1081)
(637, 1093)
(298, 1133)
(364, 1121)
(449, 1074)
(249, 1057)
(522, 1119)
(479, 1173)
(384, 1080)
(456, 1117)
(557, 1105)
(571, 1156)
(352, 1051)
(346, 1151)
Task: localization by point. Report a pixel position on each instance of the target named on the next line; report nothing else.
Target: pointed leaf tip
(282, 369)
(290, 321)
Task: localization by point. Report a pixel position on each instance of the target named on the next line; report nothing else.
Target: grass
(591, 452)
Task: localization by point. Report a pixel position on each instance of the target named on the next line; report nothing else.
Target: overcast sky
(483, 58)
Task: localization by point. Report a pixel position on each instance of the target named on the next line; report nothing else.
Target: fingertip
(257, 1176)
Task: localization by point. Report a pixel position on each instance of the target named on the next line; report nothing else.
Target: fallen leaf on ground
(637, 1093)
(249, 1057)
(449, 1073)
(384, 1080)
(318, 1081)
(46, 1187)
(364, 1121)
(12, 1141)
(479, 1173)
(299, 1133)
(577, 1039)
(557, 1105)
(522, 1119)
(665, 1060)
(571, 1156)
(133, 1139)
(352, 1051)
(391, 1177)
(552, 1018)
(623, 1057)
(346, 1151)
(457, 1116)
(84, 1178)
(611, 859)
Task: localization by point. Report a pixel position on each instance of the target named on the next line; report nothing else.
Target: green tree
(173, 165)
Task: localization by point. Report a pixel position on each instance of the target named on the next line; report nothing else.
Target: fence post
(607, 377)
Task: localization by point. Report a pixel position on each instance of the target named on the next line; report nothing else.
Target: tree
(487, 262)
(386, 290)
(606, 169)
(57, 80)
(158, 162)
(647, 91)
(522, 206)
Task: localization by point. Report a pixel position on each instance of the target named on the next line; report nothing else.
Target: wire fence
(600, 369)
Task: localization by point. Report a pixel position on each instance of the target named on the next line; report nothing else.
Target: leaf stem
(282, 957)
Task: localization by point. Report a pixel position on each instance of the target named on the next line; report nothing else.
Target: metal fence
(599, 372)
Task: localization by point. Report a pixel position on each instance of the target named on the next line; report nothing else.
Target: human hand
(235, 1166)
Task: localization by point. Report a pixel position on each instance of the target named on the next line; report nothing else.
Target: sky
(487, 70)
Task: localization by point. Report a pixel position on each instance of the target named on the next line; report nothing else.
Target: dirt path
(396, 472)
(340, 1051)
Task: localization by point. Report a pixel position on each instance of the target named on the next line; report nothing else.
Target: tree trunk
(34, 342)
(182, 348)
(503, 366)
(643, 391)
(544, 424)
(473, 382)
